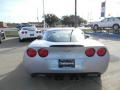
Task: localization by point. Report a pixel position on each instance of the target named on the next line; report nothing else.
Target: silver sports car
(65, 51)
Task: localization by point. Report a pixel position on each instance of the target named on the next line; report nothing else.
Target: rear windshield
(29, 29)
(63, 36)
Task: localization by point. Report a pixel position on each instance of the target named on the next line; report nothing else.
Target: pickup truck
(112, 22)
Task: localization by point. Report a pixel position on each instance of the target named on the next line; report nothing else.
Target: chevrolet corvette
(65, 51)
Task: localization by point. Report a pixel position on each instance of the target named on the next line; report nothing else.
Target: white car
(65, 51)
(28, 32)
(113, 22)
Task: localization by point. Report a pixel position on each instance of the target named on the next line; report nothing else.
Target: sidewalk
(105, 35)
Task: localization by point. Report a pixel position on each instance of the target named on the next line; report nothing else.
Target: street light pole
(37, 16)
(75, 13)
(105, 9)
(43, 16)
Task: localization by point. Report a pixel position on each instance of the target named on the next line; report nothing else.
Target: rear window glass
(29, 29)
(62, 36)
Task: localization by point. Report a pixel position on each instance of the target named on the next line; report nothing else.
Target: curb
(105, 35)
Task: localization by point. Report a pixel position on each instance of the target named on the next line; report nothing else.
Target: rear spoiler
(66, 46)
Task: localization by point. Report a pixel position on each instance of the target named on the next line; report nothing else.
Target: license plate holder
(66, 63)
(31, 34)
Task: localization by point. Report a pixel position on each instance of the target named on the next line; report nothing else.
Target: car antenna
(75, 13)
(71, 35)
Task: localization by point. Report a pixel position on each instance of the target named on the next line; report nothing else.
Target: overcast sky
(26, 10)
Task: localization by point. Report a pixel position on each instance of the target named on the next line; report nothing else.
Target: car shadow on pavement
(14, 42)
(18, 79)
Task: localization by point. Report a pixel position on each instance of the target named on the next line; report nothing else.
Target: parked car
(2, 35)
(19, 26)
(28, 32)
(112, 22)
(65, 51)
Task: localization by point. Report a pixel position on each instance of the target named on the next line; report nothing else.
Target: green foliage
(11, 33)
(70, 20)
(51, 19)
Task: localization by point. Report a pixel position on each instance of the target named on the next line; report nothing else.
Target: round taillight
(22, 32)
(43, 52)
(101, 52)
(25, 32)
(37, 32)
(31, 52)
(90, 52)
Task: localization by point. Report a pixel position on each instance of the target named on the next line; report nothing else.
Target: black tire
(99, 75)
(20, 40)
(4, 37)
(33, 75)
(115, 27)
(0, 40)
(95, 27)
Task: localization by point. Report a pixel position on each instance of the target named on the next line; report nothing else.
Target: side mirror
(40, 37)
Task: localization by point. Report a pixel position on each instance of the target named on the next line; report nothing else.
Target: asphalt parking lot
(14, 77)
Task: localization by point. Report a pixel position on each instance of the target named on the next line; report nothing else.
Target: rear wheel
(33, 75)
(115, 27)
(99, 75)
(95, 27)
(20, 40)
(0, 40)
(4, 36)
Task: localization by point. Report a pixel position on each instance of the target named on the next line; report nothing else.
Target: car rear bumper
(27, 36)
(82, 66)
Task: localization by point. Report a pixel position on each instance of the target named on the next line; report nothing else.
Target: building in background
(3, 24)
(37, 24)
(103, 8)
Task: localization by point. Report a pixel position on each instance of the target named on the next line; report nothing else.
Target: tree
(51, 19)
(65, 20)
(70, 20)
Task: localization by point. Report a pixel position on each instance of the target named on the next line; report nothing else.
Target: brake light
(31, 52)
(25, 32)
(43, 52)
(101, 52)
(37, 32)
(22, 32)
(90, 52)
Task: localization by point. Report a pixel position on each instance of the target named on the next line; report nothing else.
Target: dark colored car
(2, 35)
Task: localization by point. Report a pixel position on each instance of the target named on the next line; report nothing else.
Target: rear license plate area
(66, 63)
(31, 34)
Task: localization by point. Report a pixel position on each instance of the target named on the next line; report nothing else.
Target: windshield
(62, 36)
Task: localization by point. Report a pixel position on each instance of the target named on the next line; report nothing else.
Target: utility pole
(75, 13)
(37, 16)
(105, 8)
(43, 16)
